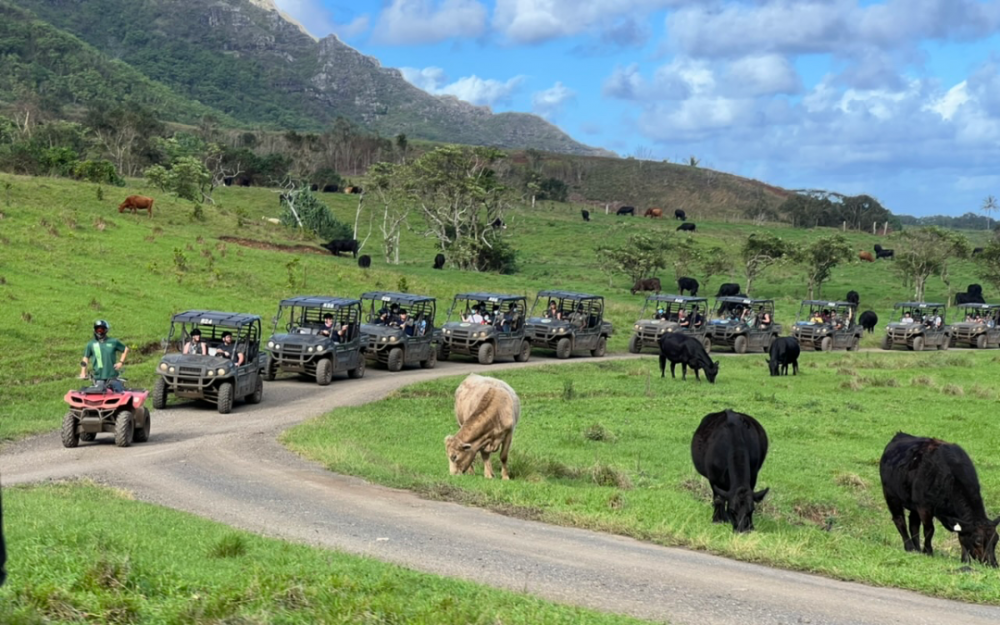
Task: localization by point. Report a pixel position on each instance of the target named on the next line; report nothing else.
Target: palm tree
(990, 205)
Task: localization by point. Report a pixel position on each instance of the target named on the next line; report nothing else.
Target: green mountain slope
(247, 60)
(36, 58)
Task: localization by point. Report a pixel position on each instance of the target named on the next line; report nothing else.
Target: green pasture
(106, 559)
(606, 446)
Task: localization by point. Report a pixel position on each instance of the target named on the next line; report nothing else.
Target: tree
(402, 144)
(639, 257)
(714, 262)
(988, 262)
(759, 252)
(384, 182)
(925, 252)
(990, 206)
(187, 178)
(302, 209)
(819, 259)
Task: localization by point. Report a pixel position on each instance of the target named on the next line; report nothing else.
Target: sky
(898, 99)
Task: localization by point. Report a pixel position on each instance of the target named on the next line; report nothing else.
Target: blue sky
(899, 99)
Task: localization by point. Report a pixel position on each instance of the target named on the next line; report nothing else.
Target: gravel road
(231, 469)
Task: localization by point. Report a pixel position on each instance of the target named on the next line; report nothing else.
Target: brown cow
(654, 212)
(137, 202)
(487, 411)
(866, 256)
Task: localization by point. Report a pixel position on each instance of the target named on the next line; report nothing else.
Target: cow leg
(663, 366)
(795, 368)
(684, 371)
(899, 520)
(487, 465)
(719, 514)
(928, 521)
(672, 374)
(696, 376)
(504, 474)
(911, 542)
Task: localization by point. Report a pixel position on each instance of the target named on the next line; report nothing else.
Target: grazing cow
(678, 347)
(364, 261)
(680, 214)
(646, 284)
(654, 212)
(439, 261)
(881, 252)
(353, 190)
(784, 351)
(487, 411)
(585, 213)
(974, 289)
(728, 449)
(137, 202)
(330, 188)
(342, 245)
(853, 297)
(626, 210)
(866, 256)
(868, 320)
(934, 479)
(498, 224)
(976, 251)
(728, 289)
(686, 227)
(687, 284)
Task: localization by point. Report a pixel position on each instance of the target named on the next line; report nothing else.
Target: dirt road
(231, 469)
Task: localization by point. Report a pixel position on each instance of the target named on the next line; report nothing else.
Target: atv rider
(101, 351)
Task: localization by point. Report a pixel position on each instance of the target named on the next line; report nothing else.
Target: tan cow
(487, 411)
(137, 202)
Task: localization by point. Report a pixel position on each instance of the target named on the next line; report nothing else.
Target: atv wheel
(324, 372)
(70, 438)
(395, 361)
(740, 345)
(634, 345)
(525, 353)
(443, 352)
(563, 348)
(141, 435)
(270, 370)
(601, 349)
(431, 361)
(918, 344)
(359, 371)
(826, 344)
(981, 341)
(124, 428)
(160, 394)
(886, 343)
(258, 392)
(486, 354)
(225, 398)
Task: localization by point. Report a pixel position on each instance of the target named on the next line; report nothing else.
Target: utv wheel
(443, 352)
(70, 438)
(225, 398)
(258, 392)
(981, 341)
(88, 436)
(918, 344)
(270, 370)
(124, 428)
(525, 353)
(563, 348)
(740, 345)
(324, 372)
(886, 343)
(431, 361)
(359, 371)
(634, 345)
(160, 393)
(601, 349)
(826, 344)
(141, 435)
(707, 344)
(943, 345)
(855, 344)
(486, 354)
(395, 360)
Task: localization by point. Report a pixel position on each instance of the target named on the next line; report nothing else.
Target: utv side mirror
(164, 344)
(274, 320)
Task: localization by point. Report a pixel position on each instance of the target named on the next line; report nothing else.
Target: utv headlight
(277, 347)
(392, 338)
(320, 348)
(636, 326)
(172, 369)
(385, 338)
(562, 330)
(271, 345)
(163, 366)
(309, 349)
(210, 373)
(220, 371)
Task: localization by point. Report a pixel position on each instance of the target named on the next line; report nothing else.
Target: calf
(364, 261)
(585, 213)
(498, 224)
(626, 210)
(868, 320)
(728, 289)
(853, 297)
(439, 261)
(646, 284)
(342, 245)
(881, 252)
(866, 256)
(137, 202)
(654, 212)
(688, 284)
(686, 227)
(680, 214)
(784, 351)
(687, 350)
(487, 411)
(934, 479)
(330, 188)
(729, 449)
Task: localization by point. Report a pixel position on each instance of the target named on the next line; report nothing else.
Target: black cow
(729, 449)
(728, 289)
(680, 214)
(626, 210)
(934, 479)
(498, 224)
(868, 320)
(314, 187)
(687, 350)
(342, 245)
(365, 261)
(784, 351)
(330, 188)
(976, 251)
(439, 261)
(687, 284)
(974, 289)
(646, 284)
(585, 213)
(881, 252)
(968, 298)
(853, 297)
(686, 227)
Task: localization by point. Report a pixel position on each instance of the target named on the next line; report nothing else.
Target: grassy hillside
(70, 258)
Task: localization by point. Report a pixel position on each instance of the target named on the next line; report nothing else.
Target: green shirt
(101, 355)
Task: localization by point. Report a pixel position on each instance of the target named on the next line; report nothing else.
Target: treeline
(817, 208)
(968, 221)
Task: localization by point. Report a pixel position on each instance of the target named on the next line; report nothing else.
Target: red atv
(106, 406)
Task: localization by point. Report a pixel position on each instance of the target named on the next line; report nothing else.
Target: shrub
(315, 215)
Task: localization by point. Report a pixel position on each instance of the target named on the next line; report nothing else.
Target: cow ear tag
(957, 528)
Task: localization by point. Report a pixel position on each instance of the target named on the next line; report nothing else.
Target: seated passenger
(194, 345)
(511, 318)
(228, 349)
(476, 316)
(552, 312)
(580, 317)
(383, 316)
(815, 317)
(907, 318)
(405, 322)
(682, 319)
(660, 315)
(764, 318)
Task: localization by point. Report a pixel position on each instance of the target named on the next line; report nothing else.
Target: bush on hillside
(315, 215)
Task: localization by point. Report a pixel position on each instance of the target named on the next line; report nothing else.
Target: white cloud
(319, 20)
(472, 89)
(534, 21)
(767, 74)
(550, 102)
(430, 79)
(406, 22)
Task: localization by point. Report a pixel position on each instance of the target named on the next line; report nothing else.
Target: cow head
(979, 542)
(712, 370)
(460, 455)
(772, 364)
(740, 504)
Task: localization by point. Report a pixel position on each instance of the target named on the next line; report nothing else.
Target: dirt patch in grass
(276, 247)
